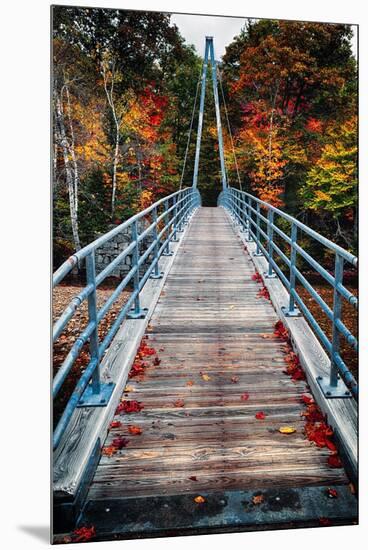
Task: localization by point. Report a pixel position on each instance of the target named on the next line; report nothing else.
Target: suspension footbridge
(215, 402)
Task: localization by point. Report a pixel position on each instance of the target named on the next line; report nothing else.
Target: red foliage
(293, 368)
(307, 399)
(135, 430)
(129, 407)
(257, 277)
(120, 442)
(334, 461)
(84, 534)
(115, 424)
(281, 332)
(260, 415)
(314, 125)
(263, 293)
(137, 369)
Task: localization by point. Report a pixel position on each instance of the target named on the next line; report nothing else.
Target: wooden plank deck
(209, 331)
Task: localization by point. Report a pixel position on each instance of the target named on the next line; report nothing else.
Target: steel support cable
(190, 130)
(230, 132)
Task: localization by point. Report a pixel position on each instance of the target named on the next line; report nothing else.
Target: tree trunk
(69, 175)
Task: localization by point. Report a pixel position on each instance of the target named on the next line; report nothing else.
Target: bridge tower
(209, 54)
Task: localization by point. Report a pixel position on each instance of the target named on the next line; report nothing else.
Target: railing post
(339, 274)
(292, 310)
(333, 386)
(166, 251)
(258, 251)
(96, 393)
(157, 274)
(136, 312)
(249, 217)
(243, 213)
(270, 216)
(175, 236)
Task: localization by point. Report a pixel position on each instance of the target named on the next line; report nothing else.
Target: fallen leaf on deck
(307, 399)
(129, 407)
(199, 499)
(84, 534)
(287, 429)
(244, 396)
(190, 383)
(135, 430)
(156, 361)
(179, 403)
(231, 307)
(115, 424)
(332, 493)
(235, 379)
(334, 461)
(205, 377)
(193, 478)
(258, 499)
(128, 389)
(260, 415)
(108, 451)
(120, 442)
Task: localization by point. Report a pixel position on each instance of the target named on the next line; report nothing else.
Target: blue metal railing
(166, 219)
(261, 228)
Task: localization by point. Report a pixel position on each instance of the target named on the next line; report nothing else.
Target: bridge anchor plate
(137, 314)
(331, 392)
(101, 399)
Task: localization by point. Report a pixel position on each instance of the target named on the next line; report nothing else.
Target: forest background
(124, 84)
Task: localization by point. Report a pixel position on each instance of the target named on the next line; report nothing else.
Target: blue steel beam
(209, 53)
(218, 117)
(201, 111)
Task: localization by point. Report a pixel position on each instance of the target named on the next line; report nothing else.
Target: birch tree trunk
(64, 145)
(71, 146)
(109, 91)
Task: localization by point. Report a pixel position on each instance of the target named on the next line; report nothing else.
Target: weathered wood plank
(209, 320)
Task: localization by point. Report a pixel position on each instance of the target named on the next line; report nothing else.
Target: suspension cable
(229, 128)
(190, 130)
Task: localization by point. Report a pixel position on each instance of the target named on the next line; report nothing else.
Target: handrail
(245, 210)
(166, 219)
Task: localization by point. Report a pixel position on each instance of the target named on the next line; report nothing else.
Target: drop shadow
(40, 532)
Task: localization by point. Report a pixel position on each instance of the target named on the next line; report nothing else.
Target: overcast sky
(194, 28)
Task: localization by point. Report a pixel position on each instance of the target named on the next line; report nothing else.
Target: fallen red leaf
(156, 361)
(235, 379)
(334, 461)
(260, 415)
(307, 399)
(129, 407)
(263, 293)
(244, 396)
(115, 424)
(193, 478)
(257, 277)
(281, 332)
(120, 442)
(179, 403)
(84, 534)
(135, 430)
(332, 493)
